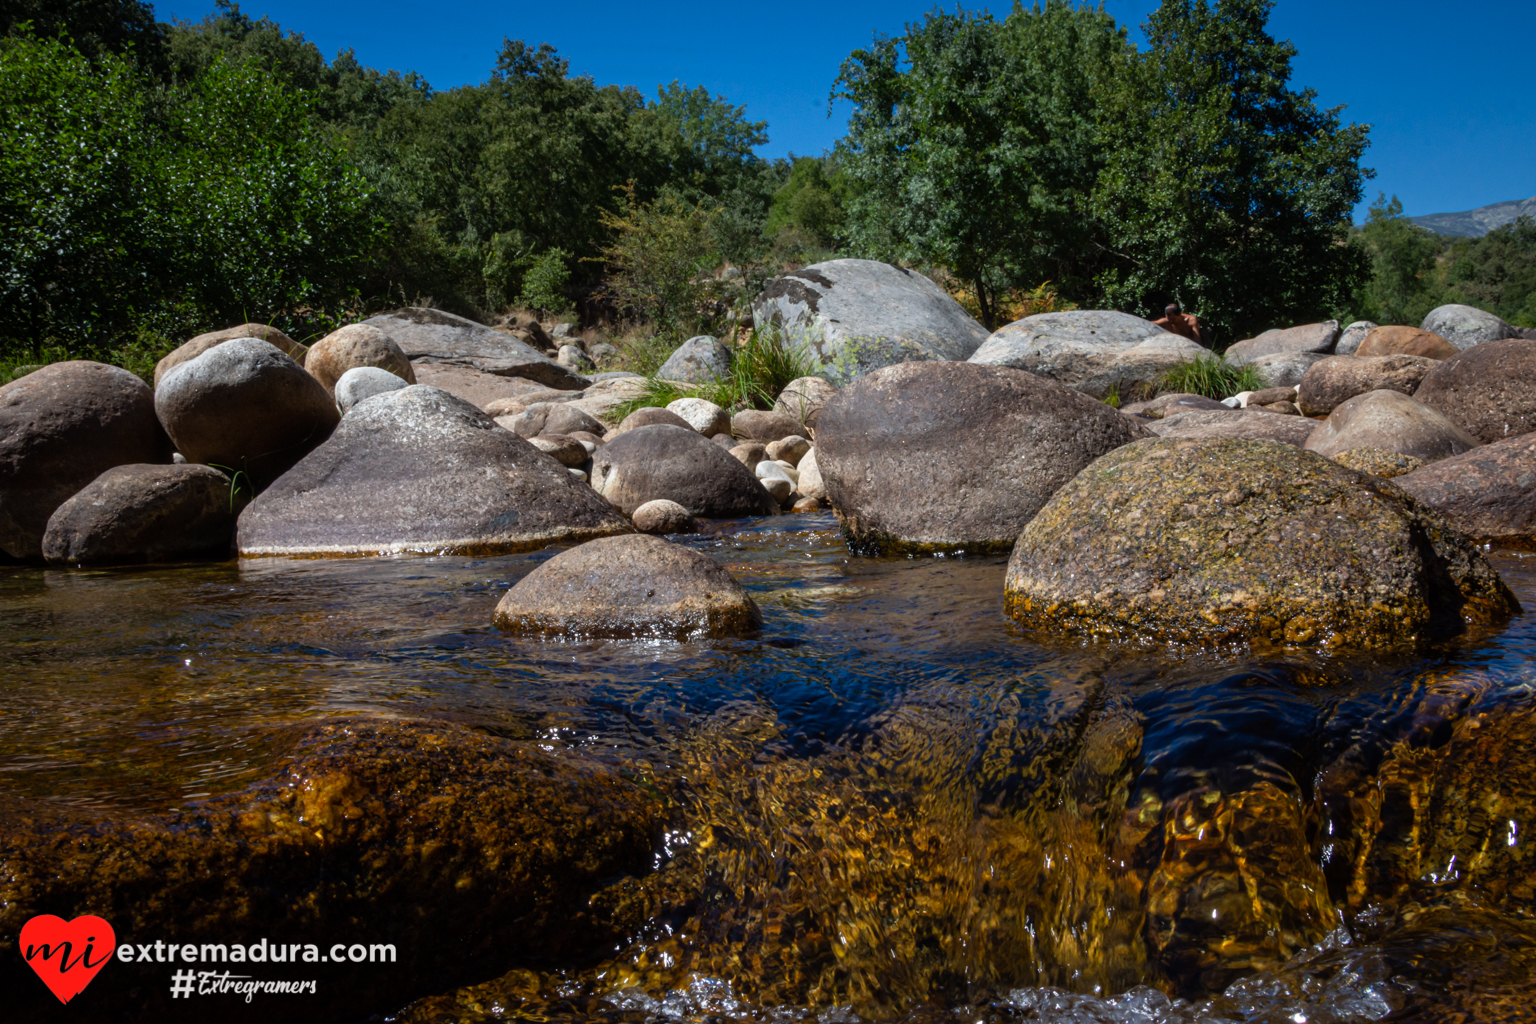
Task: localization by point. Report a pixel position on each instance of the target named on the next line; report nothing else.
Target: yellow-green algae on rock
(1201, 541)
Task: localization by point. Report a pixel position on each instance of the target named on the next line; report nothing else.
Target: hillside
(1477, 223)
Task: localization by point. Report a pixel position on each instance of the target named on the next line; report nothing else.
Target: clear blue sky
(1446, 85)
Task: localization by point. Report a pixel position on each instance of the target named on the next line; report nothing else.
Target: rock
(1175, 540)
(804, 504)
(352, 346)
(562, 448)
(649, 416)
(634, 586)
(1313, 338)
(1408, 341)
(1351, 337)
(1466, 326)
(774, 480)
(681, 465)
(1269, 396)
(551, 418)
(573, 357)
(62, 426)
(1377, 461)
(433, 336)
(419, 471)
(523, 401)
(203, 342)
(1488, 389)
(955, 456)
(749, 454)
(1392, 421)
(362, 382)
(562, 331)
(702, 415)
(758, 425)
(245, 407)
(1170, 405)
(591, 440)
(663, 516)
(802, 399)
(477, 387)
(603, 400)
(724, 440)
(601, 350)
(1488, 493)
(811, 485)
(145, 513)
(855, 316)
(699, 360)
(1282, 408)
(1335, 380)
(1284, 369)
(1091, 350)
(789, 449)
(1235, 423)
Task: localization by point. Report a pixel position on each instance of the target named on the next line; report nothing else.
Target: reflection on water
(890, 803)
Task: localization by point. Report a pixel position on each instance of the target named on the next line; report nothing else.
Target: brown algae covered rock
(1488, 493)
(1377, 461)
(1190, 541)
(629, 586)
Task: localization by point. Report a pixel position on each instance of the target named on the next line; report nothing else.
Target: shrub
(544, 283)
(1211, 376)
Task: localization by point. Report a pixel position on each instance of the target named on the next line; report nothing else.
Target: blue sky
(1444, 84)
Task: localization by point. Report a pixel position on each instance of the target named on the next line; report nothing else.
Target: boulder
(352, 346)
(1271, 396)
(145, 513)
(420, 471)
(538, 395)
(601, 350)
(203, 342)
(955, 456)
(606, 397)
(551, 418)
(633, 586)
(1351, 337)
(1176, 540)
(724, 440)
(476, 387)
(774, 480)
(764, 426)
(362, 382)
(749, 454)
(855, 316)
(62, 426)
(564, 331)
(1488, 389)
(789, 449)
(1488, 493)
(663, 516)
(433, 336)
(1315, 338)
(649, 416)
(699, 360)
(702, 415)
(245, 407)
(1284, 369)
(1407, 341)
(1335, 380)
(811, 485)
(1465, 326)
(1170, 405)
(802, 399)
(1235, 423)
(1377, 461)
(1392, 421)
(592, 441)
(574, 357)
(563, 448)
(681, 465)
(1091, 350)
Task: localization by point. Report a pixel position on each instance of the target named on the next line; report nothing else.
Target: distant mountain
(1477, 223)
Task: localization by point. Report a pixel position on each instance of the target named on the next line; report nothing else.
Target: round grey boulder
(1284, 369)
(650, 416)
(362, 382)
(1465, 326)
(574, 357)
(811, 485)
(552, 418)
(789, 449)
(1313, 338)
(563, 448)
(146, 513)
(1489, 389)
(633, 586)
(663, 516)
(1351, 337)
(203, 342)
(1392, 421)
(1092, 350)
(699, 360)
(681, 465)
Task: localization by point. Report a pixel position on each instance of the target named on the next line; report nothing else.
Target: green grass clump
(764, 365)
(1211, 376)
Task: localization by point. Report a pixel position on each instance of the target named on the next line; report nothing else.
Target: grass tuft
(1213, 377)
(764, 365)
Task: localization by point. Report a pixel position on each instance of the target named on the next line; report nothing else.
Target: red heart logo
(67, 954)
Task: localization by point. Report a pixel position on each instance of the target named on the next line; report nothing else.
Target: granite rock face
(145, 513)
(433, 336)
(1351, 337)
(61, 427)
(1392, 421)
(955, 456)
(1252, 424)
(1284, 369)
(420, 471)
(1314, 338)
(855, 316)
(1489, 389)
(1408, 341)
(681, 465)
(632, 586)
(353, 346)
(476, 387)
(1488, 493)
(203, 342)
(1199, 541)
(1091, 350)
(1333, 381)
(363, 382)
(1465, 326)
(699, 360)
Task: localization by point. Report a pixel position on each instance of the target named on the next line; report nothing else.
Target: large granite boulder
(1489, 389)
(1488, 493)
(1212, 541)
(352, 346)
(203, 342)
(631, 586)
(855, 316)
(1316, 338)
(1351, 337)
(803, 398)
(1088, 349)
(62, 426)
(955, 456)
(1284, 369)
(1465, 326)
(245, 407)
(1392, 421)
(476, 387)
(420, 471)
(681, 465)
(1408, 341)
(433, 336)
(1335, 380)
(1252, 424)
(145, 513)
(699, 360)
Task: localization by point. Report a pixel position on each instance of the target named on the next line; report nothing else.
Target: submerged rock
(352, 346)
(1488, 493)
(1489, 389)
(418, 470)
(681, 465)
(627, 587)
(943, 456)
(1190, 541)
(1393, 421)
(1089, 349)
(146, 513)
(203, 342)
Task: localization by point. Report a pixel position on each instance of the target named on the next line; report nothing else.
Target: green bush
(544, 281)
(1212, 377)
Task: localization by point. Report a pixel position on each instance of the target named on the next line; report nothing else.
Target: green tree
(1403, 286)
(1496, 272)
(810, 203)
(1223, 188)
(126, 28)
(661, 263)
